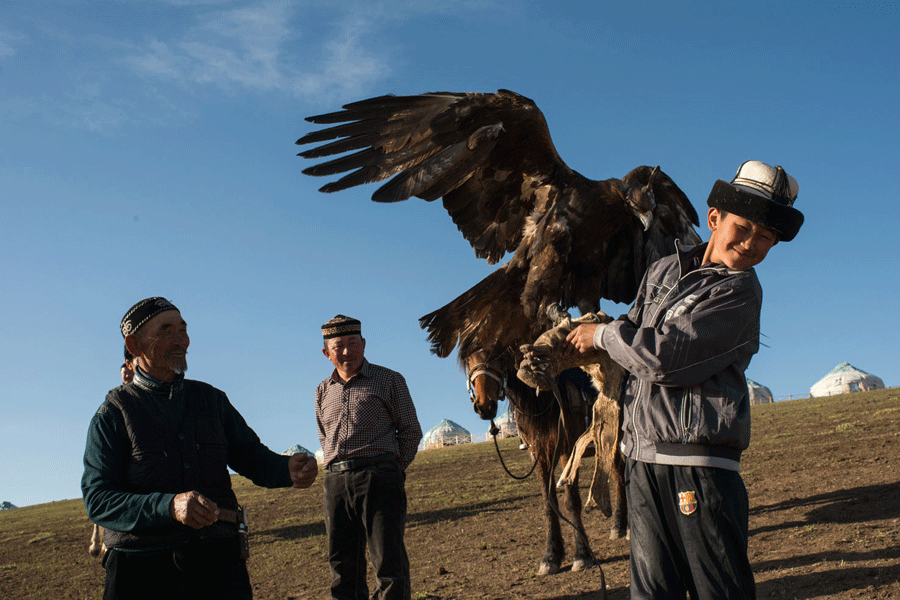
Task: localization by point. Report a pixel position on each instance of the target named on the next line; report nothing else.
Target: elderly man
(156, 471)
(369, 434)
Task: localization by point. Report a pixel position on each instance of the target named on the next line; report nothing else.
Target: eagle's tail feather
(478, 318)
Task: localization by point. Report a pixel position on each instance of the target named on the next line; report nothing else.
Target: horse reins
(494, 431)
(483, 368)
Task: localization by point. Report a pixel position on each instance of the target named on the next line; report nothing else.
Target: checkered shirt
(369, 415)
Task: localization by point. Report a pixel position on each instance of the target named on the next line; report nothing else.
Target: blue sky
(147, 148)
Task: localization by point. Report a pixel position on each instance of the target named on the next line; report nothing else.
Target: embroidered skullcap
(138, 315)
(341, 325)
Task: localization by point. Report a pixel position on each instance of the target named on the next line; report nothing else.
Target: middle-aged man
(156, 472)
(369, 434)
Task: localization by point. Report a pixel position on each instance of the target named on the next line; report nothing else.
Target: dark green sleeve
(105, 500)
(248, 456)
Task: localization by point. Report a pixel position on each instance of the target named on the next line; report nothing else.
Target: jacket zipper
(637, 437)
(640, 389)
(686, 404)
(684, 425)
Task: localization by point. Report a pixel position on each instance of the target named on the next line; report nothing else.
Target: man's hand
(194, 510)
(581, 339)
(304, 469)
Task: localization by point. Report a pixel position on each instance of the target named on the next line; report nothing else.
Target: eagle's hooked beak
(646, 219)
(642, 204)
(643, 201)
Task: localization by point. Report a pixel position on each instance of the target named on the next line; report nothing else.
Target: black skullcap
(341, 325)
(143, 311)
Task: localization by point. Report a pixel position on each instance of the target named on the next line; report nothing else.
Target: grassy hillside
(822, 474)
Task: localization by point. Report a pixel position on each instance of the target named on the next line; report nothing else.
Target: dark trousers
(366, 508)
(689, 533)
(202, 570)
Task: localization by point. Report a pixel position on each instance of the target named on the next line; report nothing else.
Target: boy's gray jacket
(686, 343)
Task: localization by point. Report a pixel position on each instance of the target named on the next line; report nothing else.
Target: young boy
(685, 344)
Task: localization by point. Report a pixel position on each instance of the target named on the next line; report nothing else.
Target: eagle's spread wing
(489, 156)
(491, 159)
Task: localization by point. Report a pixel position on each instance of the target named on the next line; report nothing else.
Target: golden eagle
(490, 158)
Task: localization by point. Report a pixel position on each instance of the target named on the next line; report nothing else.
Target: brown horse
(548, 356)
(538, 421)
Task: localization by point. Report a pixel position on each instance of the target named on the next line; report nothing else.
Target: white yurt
(295, 449)
(843, 379)
(320, 456)
(506, 423)
(759, 394)
(446, 433)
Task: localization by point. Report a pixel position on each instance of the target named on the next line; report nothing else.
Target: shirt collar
(364, 370)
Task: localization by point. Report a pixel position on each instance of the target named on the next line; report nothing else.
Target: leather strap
(230, 516)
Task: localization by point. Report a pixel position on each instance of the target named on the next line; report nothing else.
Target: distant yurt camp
(506, 423)
(446, 433)
(759, 394)
(844, 379)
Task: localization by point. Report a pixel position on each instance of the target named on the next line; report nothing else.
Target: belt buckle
(340, 467)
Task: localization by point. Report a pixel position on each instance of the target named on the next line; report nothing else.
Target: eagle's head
(640, 200)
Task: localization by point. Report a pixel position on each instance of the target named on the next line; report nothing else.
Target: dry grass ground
(822, 474)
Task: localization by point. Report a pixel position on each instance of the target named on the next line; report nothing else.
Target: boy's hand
(581, 339)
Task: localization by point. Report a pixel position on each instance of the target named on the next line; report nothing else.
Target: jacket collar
(156, 386)
(687, 254)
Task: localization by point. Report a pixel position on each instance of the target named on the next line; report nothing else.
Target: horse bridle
(483, 368)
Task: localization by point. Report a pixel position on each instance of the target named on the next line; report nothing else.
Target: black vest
(174, 451)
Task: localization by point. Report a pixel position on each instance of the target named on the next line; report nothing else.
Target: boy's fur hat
(763, 194)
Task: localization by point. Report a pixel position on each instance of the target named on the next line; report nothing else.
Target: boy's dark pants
(703, 553)
(366, 508)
